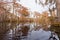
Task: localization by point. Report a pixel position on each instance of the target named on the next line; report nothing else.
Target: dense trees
(15, 11)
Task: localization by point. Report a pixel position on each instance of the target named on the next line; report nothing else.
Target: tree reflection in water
(12, 31)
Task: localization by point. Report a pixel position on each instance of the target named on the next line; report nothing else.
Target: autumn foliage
(24, 11)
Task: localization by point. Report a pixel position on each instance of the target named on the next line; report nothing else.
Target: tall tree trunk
(58, 9)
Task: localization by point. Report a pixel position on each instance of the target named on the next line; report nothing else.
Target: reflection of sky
(33, 6)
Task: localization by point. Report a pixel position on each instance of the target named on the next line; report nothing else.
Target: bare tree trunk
(58, 9)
